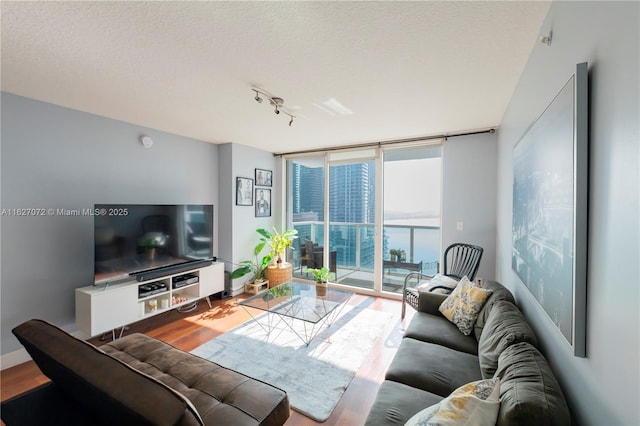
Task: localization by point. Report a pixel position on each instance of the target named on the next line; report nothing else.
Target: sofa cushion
(506, 326)
(529, 393)
(395, 403)
(476, 403)
(499, 292)
(437, 329)
(100, 383)
(221, 396)
(432, 368)
(463, 304)
(429, 302)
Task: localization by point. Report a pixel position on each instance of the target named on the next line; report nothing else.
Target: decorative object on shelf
(264, 177)
(275, 102)
(263, 202)
(322, 277)
(244, 191)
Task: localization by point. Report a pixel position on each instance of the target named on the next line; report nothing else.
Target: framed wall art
(263, 202)
(549, 229)
(244, 191)
(264, 177)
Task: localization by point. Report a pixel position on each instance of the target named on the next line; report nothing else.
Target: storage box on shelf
(106, 307)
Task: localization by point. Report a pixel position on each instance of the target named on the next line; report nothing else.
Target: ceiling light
(275, 102)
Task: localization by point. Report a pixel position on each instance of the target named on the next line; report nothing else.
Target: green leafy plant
(257, 266)
(321, 275)
(397, 255)
(278, 242)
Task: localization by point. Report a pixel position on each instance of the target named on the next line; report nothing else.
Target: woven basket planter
(278, 274)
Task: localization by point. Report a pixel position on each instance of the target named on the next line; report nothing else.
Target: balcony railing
(353, 244)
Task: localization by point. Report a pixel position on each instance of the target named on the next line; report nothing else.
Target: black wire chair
(459, 260)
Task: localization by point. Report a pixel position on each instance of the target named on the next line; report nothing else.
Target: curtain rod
(383, 143)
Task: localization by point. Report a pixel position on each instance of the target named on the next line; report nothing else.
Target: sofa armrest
(429, 302)
(101, 383)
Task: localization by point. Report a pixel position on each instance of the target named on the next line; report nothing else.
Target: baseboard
(14, 358)
(20, 356)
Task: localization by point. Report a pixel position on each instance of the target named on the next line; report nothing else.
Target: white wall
(469, 195)
(603, 388)
(55, 157)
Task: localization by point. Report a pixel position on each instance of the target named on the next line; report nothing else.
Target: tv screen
(130, 239)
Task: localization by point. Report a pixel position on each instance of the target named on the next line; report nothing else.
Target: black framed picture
(263, 202)
(244, 191)
(263, 177)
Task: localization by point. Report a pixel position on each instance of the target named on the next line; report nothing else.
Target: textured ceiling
(403, 69)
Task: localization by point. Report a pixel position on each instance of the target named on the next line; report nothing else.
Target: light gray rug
(314, 376)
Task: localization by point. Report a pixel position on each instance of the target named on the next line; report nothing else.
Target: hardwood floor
(189, 330)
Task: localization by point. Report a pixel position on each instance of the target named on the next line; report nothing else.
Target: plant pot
(321, 289)
(278, 274)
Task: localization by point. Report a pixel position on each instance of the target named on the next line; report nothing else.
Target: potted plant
(322, 277)
(278, 242)
(279, 271)
(395, 254)
(257, 266)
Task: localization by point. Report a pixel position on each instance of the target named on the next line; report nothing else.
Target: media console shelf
(106, 307)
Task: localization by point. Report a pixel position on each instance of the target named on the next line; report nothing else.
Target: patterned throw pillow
(476, 403)
(461, 307)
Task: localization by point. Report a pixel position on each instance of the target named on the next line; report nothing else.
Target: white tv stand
(106, 307)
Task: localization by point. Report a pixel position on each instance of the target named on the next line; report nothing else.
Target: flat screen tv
(135, 239)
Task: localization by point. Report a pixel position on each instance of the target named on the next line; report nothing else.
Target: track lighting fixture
(275, 102)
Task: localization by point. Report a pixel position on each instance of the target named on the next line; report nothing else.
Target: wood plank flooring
(189, 330)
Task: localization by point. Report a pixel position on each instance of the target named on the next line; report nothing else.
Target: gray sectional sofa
(435, 358)
(136, 380)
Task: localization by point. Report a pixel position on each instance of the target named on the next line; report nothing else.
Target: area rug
(315, 376)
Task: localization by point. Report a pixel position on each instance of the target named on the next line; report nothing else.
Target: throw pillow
(476, 403)
(439, 280)
(461, 307)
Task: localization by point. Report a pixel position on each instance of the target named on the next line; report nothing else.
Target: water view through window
(411, 216)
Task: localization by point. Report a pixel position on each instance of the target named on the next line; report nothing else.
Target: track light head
(257, 98)
(274, 101)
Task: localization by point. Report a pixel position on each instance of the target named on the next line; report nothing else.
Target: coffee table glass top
(299, 300)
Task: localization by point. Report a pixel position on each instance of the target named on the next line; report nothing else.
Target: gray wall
(54, 157)
(239, 236)
(604, 387)
(469, 195)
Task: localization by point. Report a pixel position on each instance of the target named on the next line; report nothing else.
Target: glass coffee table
(303, 308)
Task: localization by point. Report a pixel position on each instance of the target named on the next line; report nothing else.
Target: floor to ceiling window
(411, 224)
(380, 208)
